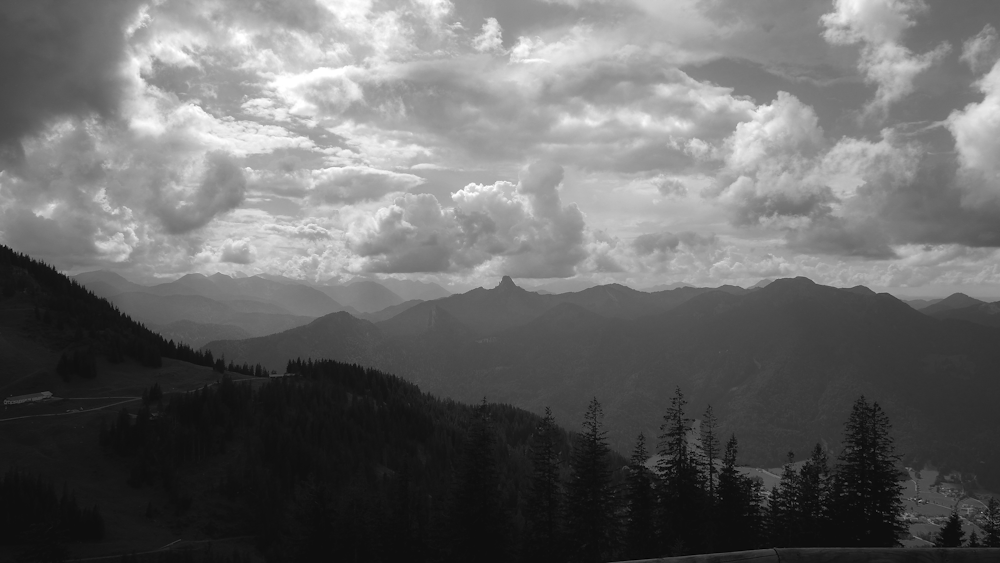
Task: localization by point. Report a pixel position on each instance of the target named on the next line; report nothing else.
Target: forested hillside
(340, 456)
(78, 322)
(353, 461)
(777, 362)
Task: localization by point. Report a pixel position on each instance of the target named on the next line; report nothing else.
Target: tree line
(82, 323)
(952, 534)
(34, 517)
(691, 497)
(356, 462)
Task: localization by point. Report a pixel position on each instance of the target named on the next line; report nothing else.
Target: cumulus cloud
(351, 184)
(840, 236)
(669, 186)
(237, 251)
(491, 39)
(522, 230)
(878, 25)
(665, 243)
(769, 164)
(310, 231)
(61, 59)
(977, 139)
(213, 100)
(183, 207)
(782, 173)
(982, 50)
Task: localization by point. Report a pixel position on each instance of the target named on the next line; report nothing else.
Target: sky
(644, 142)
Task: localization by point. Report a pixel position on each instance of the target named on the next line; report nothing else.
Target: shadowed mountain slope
(919, 304)
(953, 301)
(412, 289)
(491, 311)
(197, 335)
(780, 364)
(337, 336)
(389, 312)
(253, 317)
(365, 296)
(987, 314)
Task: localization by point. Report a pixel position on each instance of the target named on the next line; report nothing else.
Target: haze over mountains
(777, 362)
(196, 309)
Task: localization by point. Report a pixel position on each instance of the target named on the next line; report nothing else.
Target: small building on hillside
(30, 398)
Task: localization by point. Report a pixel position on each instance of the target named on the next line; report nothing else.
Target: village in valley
(929, 499)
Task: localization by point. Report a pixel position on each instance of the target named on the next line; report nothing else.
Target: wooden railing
(843, 555)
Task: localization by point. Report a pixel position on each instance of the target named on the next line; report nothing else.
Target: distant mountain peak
(506, 283)
(953, 301)
(798, 281)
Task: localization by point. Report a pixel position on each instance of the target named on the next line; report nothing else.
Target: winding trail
(128, 400)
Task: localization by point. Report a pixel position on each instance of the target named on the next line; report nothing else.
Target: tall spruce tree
(479, 524)
(640, 515)
(991, 527)
(590, 501)
(543, 526)
(866, 506)
(681, 490)
(814, 496)
(710, 448)
(739, 508)
(784, 508)
(951, 533)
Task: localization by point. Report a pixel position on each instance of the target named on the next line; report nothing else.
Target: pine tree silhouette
(640, 505)
(866, 505)
(591, 525)
(951, 533)
(991, 527)
(543, 526)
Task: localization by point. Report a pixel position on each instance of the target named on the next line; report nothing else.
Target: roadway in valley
(120, 401)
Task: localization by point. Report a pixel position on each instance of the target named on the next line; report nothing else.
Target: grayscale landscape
(506, 281)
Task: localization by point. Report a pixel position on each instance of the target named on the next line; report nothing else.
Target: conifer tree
(710, 448)
(784, 508)
(543, 538)
(590, 500)
(951, 533)
(640, 505)
(974, 540)
(478, 520)
(866, 505)
(813, 496)
(991, 527)
(681, 494)
(739, 507)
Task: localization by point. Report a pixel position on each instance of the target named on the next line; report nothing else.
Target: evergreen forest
(348, 460)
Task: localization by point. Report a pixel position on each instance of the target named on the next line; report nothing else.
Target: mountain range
(779, 363)
(196, 309)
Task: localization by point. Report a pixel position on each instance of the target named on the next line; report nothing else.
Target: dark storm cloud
(68, 238)
(836, 236)
(486, 110)
(222, 189)
(752, 208)
(930, 209)
(60, 58)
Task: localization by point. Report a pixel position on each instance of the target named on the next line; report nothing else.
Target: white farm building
(18, 399)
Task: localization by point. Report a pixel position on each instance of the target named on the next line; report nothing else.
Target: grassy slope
(64, 448)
